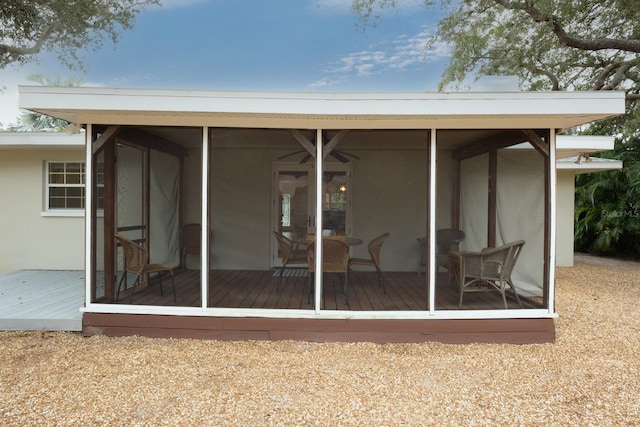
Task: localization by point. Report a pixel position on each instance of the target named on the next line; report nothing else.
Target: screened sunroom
(212, 214)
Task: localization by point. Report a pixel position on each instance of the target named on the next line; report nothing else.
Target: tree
(557, 45)
(64, 27)
(549, 44)
(30, 121)
(607, 213)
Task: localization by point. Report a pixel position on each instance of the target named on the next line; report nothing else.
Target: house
(243, 165)
(36, 232)
(59, 231)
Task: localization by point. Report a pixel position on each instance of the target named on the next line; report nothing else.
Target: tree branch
(565, 38)
(19, 51)
(555, 83)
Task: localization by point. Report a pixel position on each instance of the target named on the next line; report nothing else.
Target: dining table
(304, 240)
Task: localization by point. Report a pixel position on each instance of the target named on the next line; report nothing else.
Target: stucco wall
(565, 195)
(28, 239)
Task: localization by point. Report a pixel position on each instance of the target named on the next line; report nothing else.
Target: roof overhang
(590, 164)
(468, 110)
(575, 145)
(41, 140)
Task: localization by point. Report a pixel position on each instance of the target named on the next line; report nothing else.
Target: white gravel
(590, 376)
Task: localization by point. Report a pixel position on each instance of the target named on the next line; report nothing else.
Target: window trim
(48, 185)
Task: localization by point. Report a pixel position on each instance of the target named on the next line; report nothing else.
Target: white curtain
(474, 202)
(520, 210)
(520, 213)
(164, 209)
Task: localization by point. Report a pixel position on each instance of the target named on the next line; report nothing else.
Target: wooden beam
(109, 223)
(538, 143)
(139, 137)
(457, 197)
(494, 142)
(306, 144)
(110, 133)
(333, 143)
(493, 199)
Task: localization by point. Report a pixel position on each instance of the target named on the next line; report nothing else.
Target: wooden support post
(493, 198)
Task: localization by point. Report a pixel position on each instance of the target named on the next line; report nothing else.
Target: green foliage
(548, 44)
(62, 26)
(607, 204)
(557, 45)
(30, 121)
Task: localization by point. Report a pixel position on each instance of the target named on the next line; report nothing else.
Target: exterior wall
(565, 195)
(29, 239)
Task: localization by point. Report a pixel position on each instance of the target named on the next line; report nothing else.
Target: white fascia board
(322, 314)
(573, 145)
(56, 140)
(595, 164)
(585, 143)
(465, 110)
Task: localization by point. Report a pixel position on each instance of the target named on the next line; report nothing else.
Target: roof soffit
(329, 111)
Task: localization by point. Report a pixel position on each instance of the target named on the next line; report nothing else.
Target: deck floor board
(259, 289)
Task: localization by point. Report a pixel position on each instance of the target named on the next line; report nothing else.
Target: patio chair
(191, 242)
(375, 245)
(447, 240)
(335, 259)
(287, 254)
(487, 270)
(136, 260)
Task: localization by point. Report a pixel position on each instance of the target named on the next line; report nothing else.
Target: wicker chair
(447, 240)
(287, 255)
(335, 259)
(488, 270)
(375, 245)
(136, 260)
(191, 242)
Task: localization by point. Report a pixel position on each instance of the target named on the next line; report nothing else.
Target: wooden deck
(34, 300)
(260, 289)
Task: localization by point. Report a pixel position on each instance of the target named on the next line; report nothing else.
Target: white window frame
(48, 185)
(49, 211)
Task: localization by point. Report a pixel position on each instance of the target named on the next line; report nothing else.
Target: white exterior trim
(468, 110)
(41, 140)
(318, 282)
(88, 221)
(433, 268)
(552, 221)
(204, 220)
(322, 314)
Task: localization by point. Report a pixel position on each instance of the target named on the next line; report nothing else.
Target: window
(65, 185)
(286, 210)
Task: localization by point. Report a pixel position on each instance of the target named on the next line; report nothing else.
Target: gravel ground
(590, 376)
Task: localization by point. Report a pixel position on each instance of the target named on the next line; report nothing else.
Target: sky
(256, 45)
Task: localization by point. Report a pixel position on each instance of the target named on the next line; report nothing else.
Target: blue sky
(288, 45)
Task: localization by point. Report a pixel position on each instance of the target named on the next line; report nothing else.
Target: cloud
(172, 4)
(336, 5)
(399, 54)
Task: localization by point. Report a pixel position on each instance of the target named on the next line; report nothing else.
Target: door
(293, 201)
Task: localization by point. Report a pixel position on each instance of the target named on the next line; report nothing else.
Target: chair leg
(504, 298)
(173, 286)
(160, 279)
(280, 278)
(124, 273)
(133, 289)
(381, 280)
(513, 288)
(310, 286)
(346, 289)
